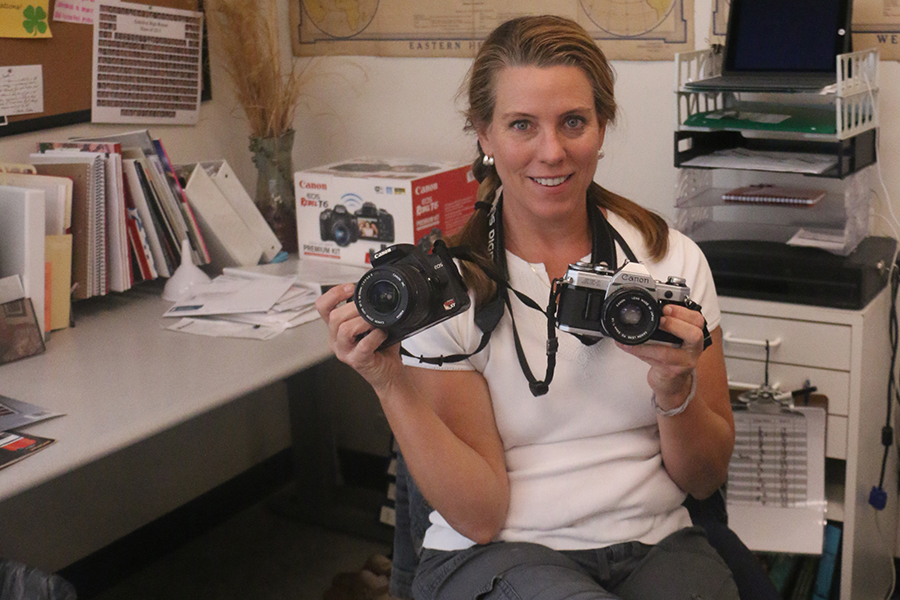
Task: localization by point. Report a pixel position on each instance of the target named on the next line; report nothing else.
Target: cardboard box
(349, 210)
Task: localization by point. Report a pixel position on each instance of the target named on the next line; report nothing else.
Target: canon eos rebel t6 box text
(348, 211)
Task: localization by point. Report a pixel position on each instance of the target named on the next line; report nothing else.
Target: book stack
(765, 193)
(127, 211)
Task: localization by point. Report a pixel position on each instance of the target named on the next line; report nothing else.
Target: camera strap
(603, 249)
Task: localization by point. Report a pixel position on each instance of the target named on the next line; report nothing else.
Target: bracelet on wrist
(678, 409)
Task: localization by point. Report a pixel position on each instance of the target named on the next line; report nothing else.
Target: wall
(405, 107)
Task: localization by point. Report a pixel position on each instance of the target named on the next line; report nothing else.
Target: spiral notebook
(774, 194)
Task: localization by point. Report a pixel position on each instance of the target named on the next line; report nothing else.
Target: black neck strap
(603, 249)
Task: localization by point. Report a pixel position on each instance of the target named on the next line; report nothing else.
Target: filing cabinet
(846, 355)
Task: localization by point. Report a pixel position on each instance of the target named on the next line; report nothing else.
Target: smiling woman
(544, 138)
(577, 492)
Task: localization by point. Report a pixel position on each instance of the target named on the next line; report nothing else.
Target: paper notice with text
(625, 29)
(74, 11)
(147, 64)
(21, 90)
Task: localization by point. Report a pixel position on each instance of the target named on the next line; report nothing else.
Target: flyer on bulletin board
(25, 19)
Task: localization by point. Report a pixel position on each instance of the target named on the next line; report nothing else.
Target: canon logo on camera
(636, 279)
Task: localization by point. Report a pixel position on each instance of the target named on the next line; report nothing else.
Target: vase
(275, 186)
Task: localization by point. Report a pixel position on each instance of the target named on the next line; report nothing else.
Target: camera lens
(341, 234)
(630, 315)
(383, 296)
(392, 295)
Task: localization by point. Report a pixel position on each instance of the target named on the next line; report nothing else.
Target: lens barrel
(392, 295)
(630, 315)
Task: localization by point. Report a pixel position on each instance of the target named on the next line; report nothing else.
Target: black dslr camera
(338, 225)
(374, 223)
(408, 290)
(626, 304)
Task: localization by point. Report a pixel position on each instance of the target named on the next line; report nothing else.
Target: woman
(576, 493)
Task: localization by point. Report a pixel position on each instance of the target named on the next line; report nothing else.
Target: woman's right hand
(355, 341)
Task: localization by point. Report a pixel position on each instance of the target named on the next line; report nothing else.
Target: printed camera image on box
(350, 210)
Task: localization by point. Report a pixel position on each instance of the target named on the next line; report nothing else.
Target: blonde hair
(541, 41)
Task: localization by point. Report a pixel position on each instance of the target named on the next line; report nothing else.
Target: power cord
(878, 496)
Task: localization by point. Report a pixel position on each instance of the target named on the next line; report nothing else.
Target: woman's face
(544, 138)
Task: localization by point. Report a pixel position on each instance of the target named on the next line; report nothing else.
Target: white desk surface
(120, 377)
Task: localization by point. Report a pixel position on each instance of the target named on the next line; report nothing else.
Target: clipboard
(776, 480)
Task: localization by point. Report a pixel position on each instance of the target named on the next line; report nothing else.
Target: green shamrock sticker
(35, 20)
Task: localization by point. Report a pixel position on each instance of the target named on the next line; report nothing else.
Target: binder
(144, 268)
(230, 241)
(225, 179)
(58, 254)
(88, 174)
(765, 193)
(22, 243)
(57, 197)
(825, 575)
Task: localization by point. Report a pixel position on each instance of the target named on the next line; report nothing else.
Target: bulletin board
(67, 63)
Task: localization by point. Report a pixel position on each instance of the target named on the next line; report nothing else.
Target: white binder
(22, 242)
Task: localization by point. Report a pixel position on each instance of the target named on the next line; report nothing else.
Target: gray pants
(683, 566)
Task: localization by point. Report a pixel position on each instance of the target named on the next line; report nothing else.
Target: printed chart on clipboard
(776, 480)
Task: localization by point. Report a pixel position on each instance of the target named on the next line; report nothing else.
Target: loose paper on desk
(247, 305)
(227, 294)
(15, 413)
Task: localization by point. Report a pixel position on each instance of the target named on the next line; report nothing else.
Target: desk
(120, 377)
(123, 381)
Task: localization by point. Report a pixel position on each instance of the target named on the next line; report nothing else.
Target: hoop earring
(600, 154)
(487, 161)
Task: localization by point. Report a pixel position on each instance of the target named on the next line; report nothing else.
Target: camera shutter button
(672, 280)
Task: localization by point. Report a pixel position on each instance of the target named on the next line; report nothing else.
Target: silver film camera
(625, 304)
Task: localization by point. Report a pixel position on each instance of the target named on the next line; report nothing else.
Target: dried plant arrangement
(246, 32)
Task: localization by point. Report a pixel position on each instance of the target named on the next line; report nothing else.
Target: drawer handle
(740, 385)
(751, 342)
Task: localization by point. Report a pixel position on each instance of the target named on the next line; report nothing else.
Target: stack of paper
(244, 304)
(56, 275)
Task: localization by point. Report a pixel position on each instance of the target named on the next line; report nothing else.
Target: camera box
(350, 210)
